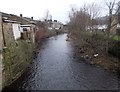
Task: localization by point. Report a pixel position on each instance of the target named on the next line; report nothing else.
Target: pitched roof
(14, 18)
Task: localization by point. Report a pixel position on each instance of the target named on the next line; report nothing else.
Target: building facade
(17, 38)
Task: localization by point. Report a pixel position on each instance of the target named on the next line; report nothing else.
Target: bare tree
(94, 12)
(113, 8)
(79, 19)
(47, 16)
(112, 19)
(110, 5)
(84, 17)
(48, 19)
(119, 11)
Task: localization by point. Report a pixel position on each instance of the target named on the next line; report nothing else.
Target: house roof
(16, 19)
(25, 25)
(11, 21)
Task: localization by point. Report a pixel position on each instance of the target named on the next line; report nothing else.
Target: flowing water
(56, 68)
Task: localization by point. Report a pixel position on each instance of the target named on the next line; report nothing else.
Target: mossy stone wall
(16, 56)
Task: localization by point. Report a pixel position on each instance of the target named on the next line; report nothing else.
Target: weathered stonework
(1, 45)
(17, 54)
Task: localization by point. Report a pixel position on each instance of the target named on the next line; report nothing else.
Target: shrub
(115, 50)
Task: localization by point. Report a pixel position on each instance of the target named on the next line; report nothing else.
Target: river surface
(56, 68)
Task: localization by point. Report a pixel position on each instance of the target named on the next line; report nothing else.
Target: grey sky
(58, 8)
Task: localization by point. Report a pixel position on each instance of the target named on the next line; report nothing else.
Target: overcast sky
(59, 9)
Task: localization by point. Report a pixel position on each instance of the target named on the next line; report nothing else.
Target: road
(56, 68)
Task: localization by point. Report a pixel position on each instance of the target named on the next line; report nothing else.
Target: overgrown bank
(95, 37)
(16, 59)
(93, 51)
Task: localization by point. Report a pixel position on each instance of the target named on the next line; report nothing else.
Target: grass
(16, 59)
(116, 38)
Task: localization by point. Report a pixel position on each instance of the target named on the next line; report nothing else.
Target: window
(24, 29)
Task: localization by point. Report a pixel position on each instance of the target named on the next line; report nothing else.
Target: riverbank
(29, 70)
(93, 57)
(18, 81)
(16, 60)
(26, 71)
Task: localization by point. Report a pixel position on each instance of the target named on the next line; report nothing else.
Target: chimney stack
(32, 18)
(21, 15)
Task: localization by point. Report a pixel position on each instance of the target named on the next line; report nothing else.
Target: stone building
(18, 23)
(54, 25)
(17, 37)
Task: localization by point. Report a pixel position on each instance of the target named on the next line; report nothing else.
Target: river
(56, 68)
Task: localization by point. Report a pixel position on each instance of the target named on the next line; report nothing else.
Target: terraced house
(17, 38)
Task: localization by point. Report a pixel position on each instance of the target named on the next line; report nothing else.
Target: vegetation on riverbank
(44, 32)
(93, 51)
(17, 56)
(117, 38)
(96, 46)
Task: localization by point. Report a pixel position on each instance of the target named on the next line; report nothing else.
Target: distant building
(55, 25)
(101, 28)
